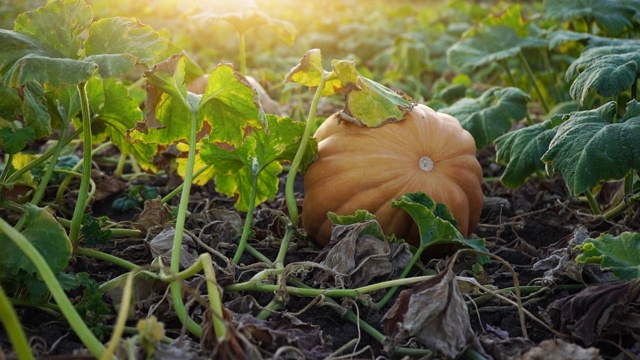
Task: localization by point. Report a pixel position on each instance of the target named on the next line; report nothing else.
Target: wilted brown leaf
(599, 311)
(433, 312)
(357, 257)
(106, 185)
(162, 244)
(154, 214)
(559, 350)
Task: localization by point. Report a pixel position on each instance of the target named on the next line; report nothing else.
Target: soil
(521, 226)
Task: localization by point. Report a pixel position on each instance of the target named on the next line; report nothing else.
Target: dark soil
(521, 226)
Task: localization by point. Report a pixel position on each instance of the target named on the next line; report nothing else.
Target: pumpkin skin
(366, 168)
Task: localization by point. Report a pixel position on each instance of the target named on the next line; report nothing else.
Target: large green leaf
(119, 35)
(34, 109)
(249, 19)
(593, 145)
(48, 237)
(613, 16)
(490, 44)
(23, 59)
(608, 68)
(114, 113)
(57, 25)
(435, 222)
(490, 115)
(621, 254)
(522, 149)
(260, 154)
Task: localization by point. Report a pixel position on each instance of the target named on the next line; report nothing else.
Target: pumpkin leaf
(435, 223)
(225, 112)
(620, 254)
(259, 155)
(14, 140)
(491, 114)
(522, 149)
(358, 216)
(48, 237)
(609, 69)
(250, 19)
(114, 112)
(374, 105)
(593, 145)
(489, 44)
(612, 16)
(309, 72)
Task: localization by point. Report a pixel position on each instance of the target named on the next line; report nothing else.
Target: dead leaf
(434, 312)
(106, 185)
(599, 311)
(154, 214)
(162, 244)
(557, 349)
(357, 257)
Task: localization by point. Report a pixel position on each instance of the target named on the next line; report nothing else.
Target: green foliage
(358, 216)
(613, 16)
(93, 233)
(595, 145)
(91, 306)
(491, 114)
(616, 253)
(260, 156)
(136, 195)
(522, 149)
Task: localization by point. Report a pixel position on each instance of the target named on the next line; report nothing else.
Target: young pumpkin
(366, 168)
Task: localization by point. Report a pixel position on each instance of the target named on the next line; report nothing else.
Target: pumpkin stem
(425, 163)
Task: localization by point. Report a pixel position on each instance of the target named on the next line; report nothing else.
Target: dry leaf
(559, 350)
(599, 311)
(154, 214)
(106, 185)
(434, 312)
(357, 257)
(162, 244)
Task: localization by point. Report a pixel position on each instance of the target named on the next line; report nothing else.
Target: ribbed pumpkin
(366, 168)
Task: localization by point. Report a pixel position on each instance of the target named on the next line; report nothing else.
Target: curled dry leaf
(153, 214)
(557, 349)
(598, 312)
(435, 314)
(357, 256)
(162, 243)
(106, 185)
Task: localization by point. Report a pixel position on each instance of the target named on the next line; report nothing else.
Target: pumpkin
(368, 167)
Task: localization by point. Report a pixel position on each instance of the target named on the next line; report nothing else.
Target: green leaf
(34, 109)
(592, 146)
(112, 65)
(14, 140)
(225, 112)
(621, 254)
(93, 233)
(309, 72)
(119, 35)
(374, 105)
(234, 169)
(114, 113)
(435, 223)
(609, 69)
(488, 45)
(10, 103)
(57, 25)
(46, 235)
(490, 115)
(522, 149)
(612, 16)
(249, 19)
(358, 216)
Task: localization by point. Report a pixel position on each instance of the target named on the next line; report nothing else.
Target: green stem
(214, 297)
(106, 257)
(12, 326)
(42, 158)
(595, 209)
(534, 81)
(246, 230)
(122, 161)
(550, 73)
(284, 246)
(6, 169)
(75, 320)
(512, 80)
(123, 315)
(81, 203)
(42, 187)
(380, 304)
(258, 255)
(243, 54)
(176, 292)
(178, 188)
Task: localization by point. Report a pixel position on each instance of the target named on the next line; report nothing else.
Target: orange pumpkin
(366, 168)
